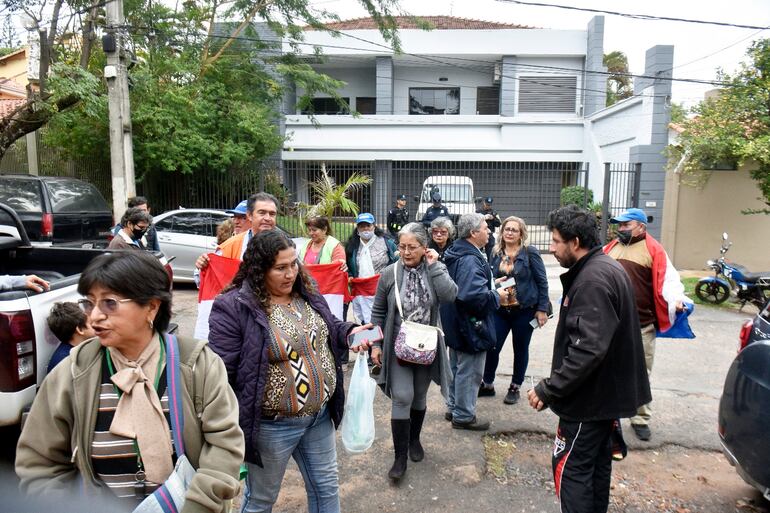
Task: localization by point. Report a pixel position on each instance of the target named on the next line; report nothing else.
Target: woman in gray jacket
(423, 284)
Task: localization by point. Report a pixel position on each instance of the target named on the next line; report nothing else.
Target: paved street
(680, 469)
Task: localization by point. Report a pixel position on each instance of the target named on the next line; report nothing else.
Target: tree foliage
(734, 125)
(331, 197)
(204, 93)
(619, 84)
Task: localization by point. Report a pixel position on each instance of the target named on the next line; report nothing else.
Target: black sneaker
(513, 395)
(486, 390)
(473, 425)
(642, 431)
(448, 416)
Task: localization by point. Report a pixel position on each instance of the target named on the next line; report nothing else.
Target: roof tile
(438, 22)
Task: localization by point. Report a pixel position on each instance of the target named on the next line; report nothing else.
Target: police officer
(398, 216)
(493, 222)
(435, 210)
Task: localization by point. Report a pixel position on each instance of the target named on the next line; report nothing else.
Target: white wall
(456, 42)
(475, 138)
(358, 82)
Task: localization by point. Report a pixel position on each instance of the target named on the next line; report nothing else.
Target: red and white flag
(363, 291)
(214, 277)
(332, 284)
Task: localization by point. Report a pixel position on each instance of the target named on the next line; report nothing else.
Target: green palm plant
(332, 196)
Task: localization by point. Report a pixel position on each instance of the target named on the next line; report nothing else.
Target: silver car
(185, 235)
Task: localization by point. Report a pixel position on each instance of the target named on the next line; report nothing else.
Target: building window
(488, 100)
(547, 94)
(366, 105)
(327, 106)
(434, 100)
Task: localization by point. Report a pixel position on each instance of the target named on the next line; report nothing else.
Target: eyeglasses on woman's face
(107, 305)
(408, 248)
(511, 229)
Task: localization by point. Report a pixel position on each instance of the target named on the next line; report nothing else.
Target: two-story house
(518, 110)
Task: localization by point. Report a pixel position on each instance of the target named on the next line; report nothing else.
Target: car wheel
(712, 292)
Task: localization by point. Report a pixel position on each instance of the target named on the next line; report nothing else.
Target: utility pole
(116, 74)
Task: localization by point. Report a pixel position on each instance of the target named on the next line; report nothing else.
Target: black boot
(416, 453)
(400, 430)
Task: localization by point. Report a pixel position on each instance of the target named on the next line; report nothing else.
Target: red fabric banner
(216, 276)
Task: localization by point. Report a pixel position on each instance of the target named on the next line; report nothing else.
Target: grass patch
(498, 450)
(689, 290)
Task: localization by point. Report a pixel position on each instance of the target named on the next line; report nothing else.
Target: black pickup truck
(26, 344)
(58, 210)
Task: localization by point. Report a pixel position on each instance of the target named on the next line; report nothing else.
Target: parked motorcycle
(748, 287)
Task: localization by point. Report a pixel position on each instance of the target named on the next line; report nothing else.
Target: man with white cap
(657, 287)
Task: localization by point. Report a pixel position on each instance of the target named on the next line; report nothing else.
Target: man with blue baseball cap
(657, 287)
(240, 217)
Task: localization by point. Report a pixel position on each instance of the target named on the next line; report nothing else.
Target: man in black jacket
(598, 372)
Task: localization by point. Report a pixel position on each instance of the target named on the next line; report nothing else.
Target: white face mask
(366, 235)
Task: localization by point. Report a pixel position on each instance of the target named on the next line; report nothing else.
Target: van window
(21, 195)
(75, 196)
(450, 192)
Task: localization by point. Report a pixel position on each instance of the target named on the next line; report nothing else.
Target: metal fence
(51, 162)
(529, 190)
(622, 182)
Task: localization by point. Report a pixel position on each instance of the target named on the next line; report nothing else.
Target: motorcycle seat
(754, 277)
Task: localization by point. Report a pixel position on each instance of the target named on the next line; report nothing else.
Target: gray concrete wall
(658, 63)
(384, 88)
(595, 91)
(508, 86)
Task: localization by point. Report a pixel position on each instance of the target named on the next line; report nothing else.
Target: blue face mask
(367, 235)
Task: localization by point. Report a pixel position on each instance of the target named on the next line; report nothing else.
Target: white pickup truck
(456, 195)
(26, 344)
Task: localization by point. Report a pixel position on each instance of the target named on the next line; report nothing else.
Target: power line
(647, 17)
(437, 59)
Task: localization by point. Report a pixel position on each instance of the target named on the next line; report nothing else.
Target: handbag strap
(398, 294)
(174, 392)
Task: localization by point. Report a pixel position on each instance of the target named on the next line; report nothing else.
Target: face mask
(367, 236)
(624, 236)
(138, 233)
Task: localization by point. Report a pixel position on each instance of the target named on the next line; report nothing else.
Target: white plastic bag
(358, 421)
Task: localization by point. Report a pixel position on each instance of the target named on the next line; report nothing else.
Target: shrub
(575, 195)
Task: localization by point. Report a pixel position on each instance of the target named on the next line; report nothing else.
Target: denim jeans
(467, 369)
(506, 321)
(310, 441)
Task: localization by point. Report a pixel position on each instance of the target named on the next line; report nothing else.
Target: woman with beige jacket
(105, 420)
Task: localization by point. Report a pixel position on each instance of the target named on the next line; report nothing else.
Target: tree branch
(245, 23)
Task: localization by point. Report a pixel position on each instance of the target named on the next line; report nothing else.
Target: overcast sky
(698, 49)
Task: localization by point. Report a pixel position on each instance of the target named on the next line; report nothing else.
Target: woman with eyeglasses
(423, 283)
(442, 233)
(526, 301)
(282, 347)
(127, 405)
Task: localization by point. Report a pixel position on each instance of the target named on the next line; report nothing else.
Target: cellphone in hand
(510, 282)
(372, 335)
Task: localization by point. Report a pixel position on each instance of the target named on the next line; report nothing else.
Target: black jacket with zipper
(598, 370)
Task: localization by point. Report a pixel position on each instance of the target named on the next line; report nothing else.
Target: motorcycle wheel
(712, 292)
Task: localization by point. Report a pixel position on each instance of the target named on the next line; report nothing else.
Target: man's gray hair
(415, 229)
(445, 223)
(468, 223)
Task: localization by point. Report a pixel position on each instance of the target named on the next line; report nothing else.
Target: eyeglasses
(512, 230)
(440, 232)
(107, 306)
(403, 248)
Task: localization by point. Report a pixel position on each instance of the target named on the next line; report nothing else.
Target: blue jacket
(239, 334)
(468, 322)
(531, 280)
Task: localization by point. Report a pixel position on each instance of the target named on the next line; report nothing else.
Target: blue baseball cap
(365, 217)
(632, 214)
(240, 209)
